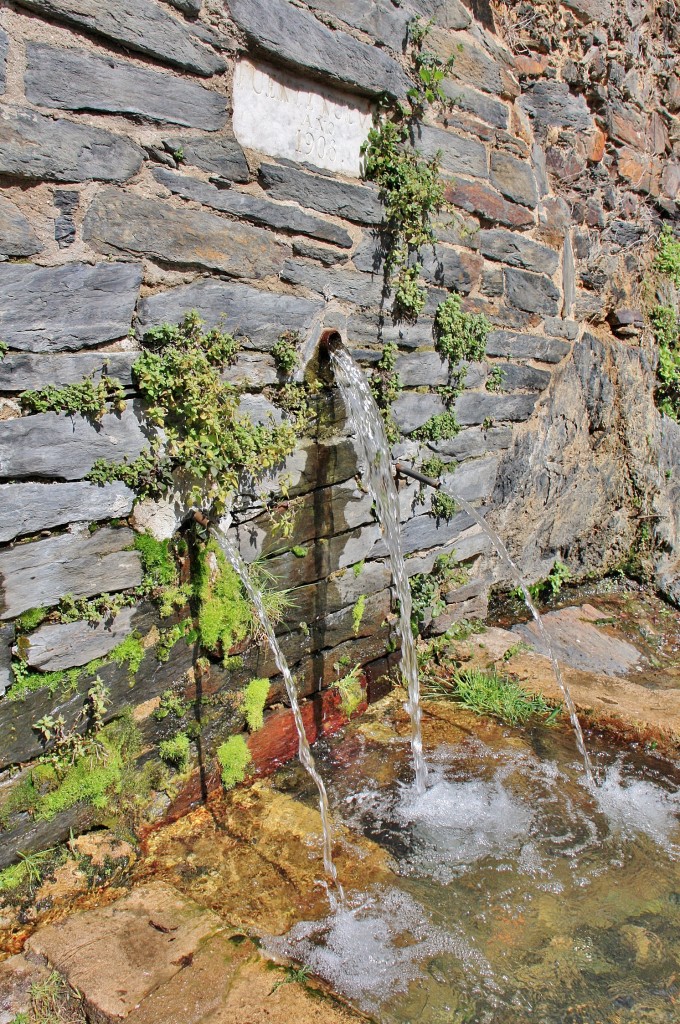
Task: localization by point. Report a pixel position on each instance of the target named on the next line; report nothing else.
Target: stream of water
(304, 752)
(368, 425)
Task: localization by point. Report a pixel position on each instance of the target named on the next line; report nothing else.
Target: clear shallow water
(517, 896)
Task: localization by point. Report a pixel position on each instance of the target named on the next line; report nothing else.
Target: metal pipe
(403, 470)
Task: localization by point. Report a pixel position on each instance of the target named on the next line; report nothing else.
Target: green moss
(224, 615)
(158, 561)
(350, 690)
(171, 704)
(30, 619)
(169, 637)
(358, 613)
(175, 751)
(358, 568)
(254, 699)
(129, 652)
(234, 758)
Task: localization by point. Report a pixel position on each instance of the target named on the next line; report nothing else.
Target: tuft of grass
(175, 751)
(488, 693)
(254, 699)
(358, 613)
(351, 693)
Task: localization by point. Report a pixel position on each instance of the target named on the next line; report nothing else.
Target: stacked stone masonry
(127, 201)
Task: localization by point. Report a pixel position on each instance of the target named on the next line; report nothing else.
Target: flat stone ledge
(17, 237)
(68, 644)
(28, 508)
(53, 309)
(526, 346)
(28, 371)
(39, 574)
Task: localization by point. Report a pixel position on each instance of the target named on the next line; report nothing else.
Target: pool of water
(517, 894)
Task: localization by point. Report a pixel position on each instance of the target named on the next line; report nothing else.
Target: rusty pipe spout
(403, 470)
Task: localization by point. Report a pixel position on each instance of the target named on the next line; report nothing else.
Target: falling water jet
(368, 425)
(304, 752)
(545, 636)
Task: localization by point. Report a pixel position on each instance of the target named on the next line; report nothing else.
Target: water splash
(368, 425)
(304, 752)
(545, 636)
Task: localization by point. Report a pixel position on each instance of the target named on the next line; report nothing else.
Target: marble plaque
(283, 115)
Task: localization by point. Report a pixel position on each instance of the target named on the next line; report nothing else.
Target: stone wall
(128, 201)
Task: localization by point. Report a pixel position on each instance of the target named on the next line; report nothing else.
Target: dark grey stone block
(359, 203)
(39, 574)
(476, 407)
(222, 157)
(561, 328)
(423, 532)
(517, 251)
(329, 257)
(28, 508)
(25, 371)
(6, 642)
(51, 309)
(474, 442)
(534, 293)
(451, 269)
(523, 378)
(255, 209)
(247, 312)
(78, 80)
(294, 37)
(411, 410)
(513, 178)
(143, 26)
(4, 48)
(551, 104)
(446, 13)
(480, 104)
(526, 346)
(17, 237)
(117, 222)
(35, 147)
(349, 285)
(428, 369)
(66, 201)
(381, 20)
(188, 7)
(65, 645)
(458, 155)
(54, 446)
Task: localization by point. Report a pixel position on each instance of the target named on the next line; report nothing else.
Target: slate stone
(488, 109)
(473, 64)
(492, 281)
(348, 285)
(446, 13)
(329, 257)
(428, 369)
(524, 378)
(6, 642)
(66, 201)
(513, 178)
(17, 237)
(475, 407)
(52, 309)
(188, 7)
(4, 48)
(252, 370)
(55, 446)
(411, 410)
(296, 38)
(117, 222)
(34, 147)
(25, 371)
(381, 20)
(255, 315)
(568, 276)
(561, 328)
(451, 269)
(423, 532)
(255, 209)
(473, 442)
(458, 155)
(28, 508)
(475, 197)
(78, 80)
(39, 574)
(517, 251)
(65, 645)
(143, 26)
(526, 346)
(534, 293)
(222, 157)
(552, 105)
(358, 203)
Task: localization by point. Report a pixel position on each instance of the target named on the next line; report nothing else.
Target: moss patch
(234, 758)
(254, 699)
(224, 615)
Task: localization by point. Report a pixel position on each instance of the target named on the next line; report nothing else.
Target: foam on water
(634, 806)
(375, 945)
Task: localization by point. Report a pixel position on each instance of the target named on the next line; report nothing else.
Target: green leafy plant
(443, 506)
(440, 427)
(460, 335)
(170, 704)
(253, 702)
(488, 693)
(667, 260)
(175, 751)
(87, 397)
(495, 379)
(285, 352)
(4, 349)
(433, 466)
(234, 758)
(666, 328)
(429, 68)
(551, 585)
(385, 384)
(427, 588)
